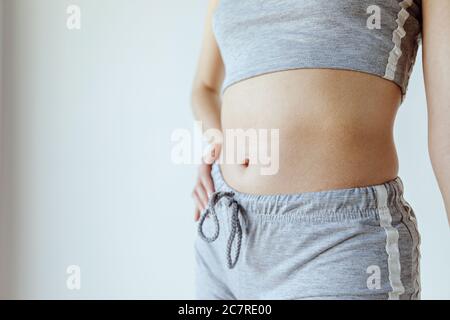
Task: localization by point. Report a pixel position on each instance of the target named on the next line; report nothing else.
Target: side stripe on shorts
(392, 250)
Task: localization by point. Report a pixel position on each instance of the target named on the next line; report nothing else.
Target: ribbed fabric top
(378, 37)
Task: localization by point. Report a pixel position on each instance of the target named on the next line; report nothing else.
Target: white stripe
(397, 36)
(391, 244)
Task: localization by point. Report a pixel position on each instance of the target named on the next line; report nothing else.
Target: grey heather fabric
(236, 229)
(263, 36)
(318, 245)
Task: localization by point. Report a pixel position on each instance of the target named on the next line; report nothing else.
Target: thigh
(343, 260)
(212, 275)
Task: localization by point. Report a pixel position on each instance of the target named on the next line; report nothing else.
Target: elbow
(201, 96)
(201, 89)
(197, 95)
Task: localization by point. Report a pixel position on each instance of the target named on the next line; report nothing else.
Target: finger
(208, 155)
(196, 214)
(198, 200)
(202, 195)
(216, 152)
(212, 153)
(208, 184)
(198, 203)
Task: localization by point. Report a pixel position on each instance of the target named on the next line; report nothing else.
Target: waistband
(323, 206)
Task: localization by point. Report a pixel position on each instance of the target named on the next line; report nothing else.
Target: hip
(356, 243)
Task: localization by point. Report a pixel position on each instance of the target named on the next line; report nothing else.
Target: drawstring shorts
(359, 243)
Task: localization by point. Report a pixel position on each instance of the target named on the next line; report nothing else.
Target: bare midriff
(335, 130)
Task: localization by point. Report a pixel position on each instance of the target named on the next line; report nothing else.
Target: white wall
(90, 114)
(4, 211)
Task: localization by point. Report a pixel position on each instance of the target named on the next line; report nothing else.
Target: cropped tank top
(379, 37)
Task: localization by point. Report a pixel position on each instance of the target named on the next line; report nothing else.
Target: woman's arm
(436, 62)
(206, 104)
(209, 77)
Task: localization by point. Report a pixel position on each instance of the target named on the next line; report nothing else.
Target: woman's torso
(335, 131)
(328, 83)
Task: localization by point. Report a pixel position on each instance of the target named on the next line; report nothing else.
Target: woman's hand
(204, 186)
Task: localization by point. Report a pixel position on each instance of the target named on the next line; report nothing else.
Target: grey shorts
(359, 243)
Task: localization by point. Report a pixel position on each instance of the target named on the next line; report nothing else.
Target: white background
(86, 173)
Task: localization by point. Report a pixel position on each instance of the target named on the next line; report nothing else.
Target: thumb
(212, 153)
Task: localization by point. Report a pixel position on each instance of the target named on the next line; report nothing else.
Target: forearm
(206, 107)
(436, 63)
(440, 159)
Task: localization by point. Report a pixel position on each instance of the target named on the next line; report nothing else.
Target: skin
(436, 62)
(336, 126)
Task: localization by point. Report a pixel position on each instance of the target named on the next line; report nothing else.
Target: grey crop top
(379, 37)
